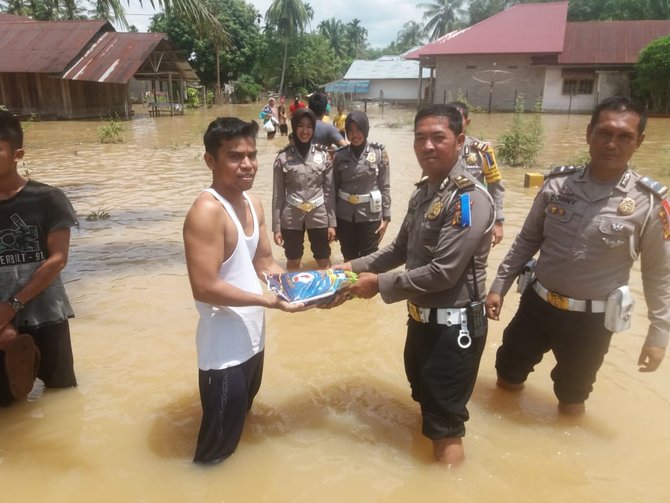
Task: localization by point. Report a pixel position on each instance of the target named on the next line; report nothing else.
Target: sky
(382, 19)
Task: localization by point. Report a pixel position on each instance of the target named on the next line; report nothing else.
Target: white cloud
(382, 19)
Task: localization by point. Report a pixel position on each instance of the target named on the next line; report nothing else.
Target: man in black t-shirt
(35, 221)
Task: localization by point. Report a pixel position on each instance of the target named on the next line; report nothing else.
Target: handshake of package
(310, 287)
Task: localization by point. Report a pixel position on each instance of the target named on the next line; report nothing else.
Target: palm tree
(356, 37)
(442, 17)
(289, 17)
(333, 30)
(411, 35)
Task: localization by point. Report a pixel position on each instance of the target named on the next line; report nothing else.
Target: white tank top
(228, 336)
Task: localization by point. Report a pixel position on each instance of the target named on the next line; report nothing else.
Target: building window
(577, 86)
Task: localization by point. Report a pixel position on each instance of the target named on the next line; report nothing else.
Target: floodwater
(333, 420)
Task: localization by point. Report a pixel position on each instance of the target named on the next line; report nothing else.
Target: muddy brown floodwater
(333, 420)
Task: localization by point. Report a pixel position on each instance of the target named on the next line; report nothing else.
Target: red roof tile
(532, 28)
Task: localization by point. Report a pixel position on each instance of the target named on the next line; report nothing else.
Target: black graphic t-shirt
(25, 222)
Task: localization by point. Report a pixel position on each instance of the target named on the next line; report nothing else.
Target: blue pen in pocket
(465, 211)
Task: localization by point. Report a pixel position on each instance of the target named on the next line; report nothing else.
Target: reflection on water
(333, 420)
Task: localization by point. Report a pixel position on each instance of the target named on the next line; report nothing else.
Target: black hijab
(363, 124)
(303, 148)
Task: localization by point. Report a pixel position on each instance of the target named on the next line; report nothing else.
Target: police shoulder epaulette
(376, 145)
(462, 182)
(656, 188)
(343, 147)
(422, 181)
(280, 151)
(562, 170)
(480, 145)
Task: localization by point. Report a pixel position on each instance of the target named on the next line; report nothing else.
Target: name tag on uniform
(466, 215)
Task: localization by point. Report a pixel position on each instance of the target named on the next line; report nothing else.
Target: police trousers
(357, 239)
(441, 375)
(578, 340)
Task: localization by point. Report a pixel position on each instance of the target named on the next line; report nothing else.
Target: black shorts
(578, 340)
(357, 239)
(442, 375)
(294, 243)
(56, 360)
(226, 396)
(283, 129)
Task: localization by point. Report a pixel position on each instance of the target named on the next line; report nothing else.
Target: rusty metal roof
(45, 46)
(115, 57)
(609, 42)
(85, 50)
(12, 18)
(532, 28)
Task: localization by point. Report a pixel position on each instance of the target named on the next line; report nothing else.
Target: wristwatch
(15, 304)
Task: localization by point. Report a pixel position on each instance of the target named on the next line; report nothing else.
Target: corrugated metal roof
(609, 42)
(384, 68)
(45, 47)
(12, 18)
(84, 50)
(532, 28)
(114, 57)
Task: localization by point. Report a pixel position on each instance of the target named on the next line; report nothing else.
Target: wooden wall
(54, 98)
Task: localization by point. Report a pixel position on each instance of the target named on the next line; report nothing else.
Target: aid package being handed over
(310, 287)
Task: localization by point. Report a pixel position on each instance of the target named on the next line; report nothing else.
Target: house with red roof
(82, 69)
(533, 51)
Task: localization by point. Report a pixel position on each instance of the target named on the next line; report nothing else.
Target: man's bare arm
(204, 247)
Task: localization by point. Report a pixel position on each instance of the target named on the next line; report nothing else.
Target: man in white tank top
(227, 251)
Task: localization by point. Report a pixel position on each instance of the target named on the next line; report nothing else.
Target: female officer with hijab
(303, 196)
(361, 173)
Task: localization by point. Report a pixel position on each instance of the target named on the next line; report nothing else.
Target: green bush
(246, 90)
(192, 97)
(110, 132)
(521, 143)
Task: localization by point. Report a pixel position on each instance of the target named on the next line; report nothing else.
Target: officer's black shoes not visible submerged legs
(502, 383)
(571, 409)
(449, 451)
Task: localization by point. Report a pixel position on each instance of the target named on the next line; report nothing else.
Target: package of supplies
(310, 287)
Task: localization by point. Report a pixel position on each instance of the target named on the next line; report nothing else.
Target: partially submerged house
(388, 78)
(82, 69)
(531, 50)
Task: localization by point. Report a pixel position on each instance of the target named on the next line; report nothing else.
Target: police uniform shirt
(434, 247)
(472, 160)
(588, 235)
(306, 180)
(360, 176)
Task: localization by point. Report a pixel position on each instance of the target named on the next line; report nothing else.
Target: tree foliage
(653, 74)
(441, 17)
(245, 40)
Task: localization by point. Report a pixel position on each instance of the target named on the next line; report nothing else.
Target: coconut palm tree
(441, 17)
(356, 37)
(411, 35)
(333, 30)
(289, 17)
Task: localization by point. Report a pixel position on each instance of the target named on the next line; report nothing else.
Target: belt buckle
(353, 199)
(558, 301)
(414, 312)
(306, 206)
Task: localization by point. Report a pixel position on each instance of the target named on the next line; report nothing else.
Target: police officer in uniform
(479, 159)
(303, 195)
(361, 173)
(444, 242)
(589, 224)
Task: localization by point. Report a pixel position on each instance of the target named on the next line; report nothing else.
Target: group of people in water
(588, 224)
